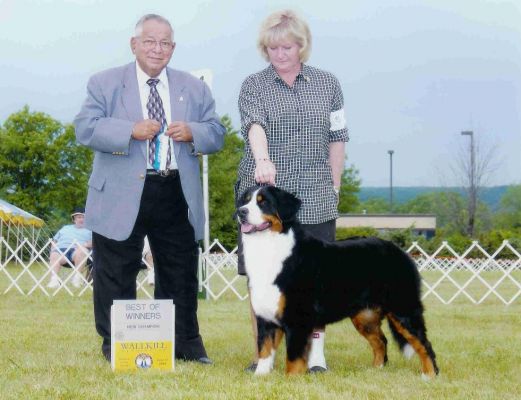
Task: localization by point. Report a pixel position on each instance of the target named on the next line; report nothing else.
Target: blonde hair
(282, 25)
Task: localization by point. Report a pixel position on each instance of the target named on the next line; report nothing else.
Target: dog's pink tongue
(263, 226)
(247, 228)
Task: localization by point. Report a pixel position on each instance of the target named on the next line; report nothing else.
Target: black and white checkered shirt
(300, 122)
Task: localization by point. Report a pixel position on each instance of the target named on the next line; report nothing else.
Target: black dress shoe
(106, 353)
(204, 360)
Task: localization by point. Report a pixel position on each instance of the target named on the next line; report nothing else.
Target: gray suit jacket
(105, 125)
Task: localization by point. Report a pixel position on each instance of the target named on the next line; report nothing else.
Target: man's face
(154, 47)
(79, 219)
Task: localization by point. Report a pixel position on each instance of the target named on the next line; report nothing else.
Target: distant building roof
(387, 221)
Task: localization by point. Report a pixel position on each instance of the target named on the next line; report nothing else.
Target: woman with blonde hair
(293, 124)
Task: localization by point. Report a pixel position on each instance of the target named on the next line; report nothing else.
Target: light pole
(391, 152)
(472, 183)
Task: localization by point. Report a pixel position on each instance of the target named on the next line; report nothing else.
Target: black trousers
(163, 217)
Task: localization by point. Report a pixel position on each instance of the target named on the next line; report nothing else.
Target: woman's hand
(265, 171)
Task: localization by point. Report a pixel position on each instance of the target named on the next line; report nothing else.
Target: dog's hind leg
(269, 337)
(368, 323)
(298, 344)
(412, 328)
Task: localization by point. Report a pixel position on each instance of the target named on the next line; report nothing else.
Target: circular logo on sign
(143, 361)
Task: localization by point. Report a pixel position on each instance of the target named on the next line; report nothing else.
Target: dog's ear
(287, 203)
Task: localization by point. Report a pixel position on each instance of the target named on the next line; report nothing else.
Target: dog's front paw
(264, 366)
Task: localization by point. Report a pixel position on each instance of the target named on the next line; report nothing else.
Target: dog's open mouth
(249, 228)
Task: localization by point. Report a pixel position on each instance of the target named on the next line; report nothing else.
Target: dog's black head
(267, 207)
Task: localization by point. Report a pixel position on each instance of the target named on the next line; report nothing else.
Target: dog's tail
(404, 299)
(410, 333)
(405, 312)
(402, 343)
(406, 349)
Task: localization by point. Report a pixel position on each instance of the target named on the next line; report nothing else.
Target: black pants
(163, 217)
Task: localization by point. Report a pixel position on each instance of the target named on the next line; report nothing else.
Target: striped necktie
(156, 112)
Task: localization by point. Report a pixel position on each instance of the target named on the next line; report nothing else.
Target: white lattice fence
(447, 276)
(25, 268)
(219, 273)
(474, 275)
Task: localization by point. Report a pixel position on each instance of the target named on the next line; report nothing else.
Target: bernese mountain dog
(297, 282)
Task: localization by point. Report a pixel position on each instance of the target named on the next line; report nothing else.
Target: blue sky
(415, 73)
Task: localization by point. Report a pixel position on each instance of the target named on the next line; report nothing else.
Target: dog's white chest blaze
(264, 255)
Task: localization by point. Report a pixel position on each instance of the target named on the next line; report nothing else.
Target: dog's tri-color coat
(297, 283)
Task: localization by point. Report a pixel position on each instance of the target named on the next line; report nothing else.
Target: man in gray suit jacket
(147, 123)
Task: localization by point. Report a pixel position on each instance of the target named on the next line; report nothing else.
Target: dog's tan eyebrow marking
(276, 223)
(259, 198)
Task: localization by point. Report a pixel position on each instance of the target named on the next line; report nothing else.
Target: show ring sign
(143, 333)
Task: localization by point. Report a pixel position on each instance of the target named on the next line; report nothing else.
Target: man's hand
(146, 129)
(179, 131)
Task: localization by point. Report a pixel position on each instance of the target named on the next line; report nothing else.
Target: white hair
(148, 17)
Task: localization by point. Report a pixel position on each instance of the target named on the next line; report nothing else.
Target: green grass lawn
(50, 350)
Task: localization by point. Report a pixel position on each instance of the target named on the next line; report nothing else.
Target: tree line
(45, 172)
(491, 227)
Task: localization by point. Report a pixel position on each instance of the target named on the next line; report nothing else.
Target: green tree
(509, 215)
(349, 189)
(42, 169)
(401, 237)
(483, 219)
(375, 205)
(493, 239)
(222, 174)
(449, 208)
(347, 233)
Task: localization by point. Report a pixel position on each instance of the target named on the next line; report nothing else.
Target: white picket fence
(474, 276)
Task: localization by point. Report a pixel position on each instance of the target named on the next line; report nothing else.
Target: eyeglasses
(151, 44)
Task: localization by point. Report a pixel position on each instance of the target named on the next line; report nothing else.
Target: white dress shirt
(164, 92)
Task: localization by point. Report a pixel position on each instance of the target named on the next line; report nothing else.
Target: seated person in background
(70, 244)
